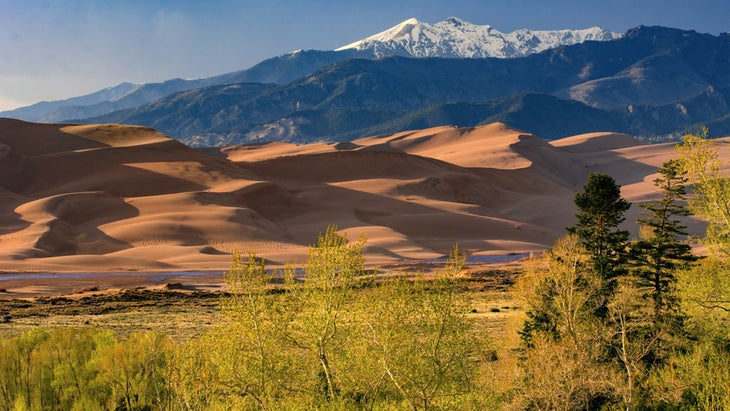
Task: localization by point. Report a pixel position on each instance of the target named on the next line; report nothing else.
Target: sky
(56, 49)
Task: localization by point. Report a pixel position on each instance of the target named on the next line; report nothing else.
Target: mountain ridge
(456, 38)
(280, 70)
(358, 97)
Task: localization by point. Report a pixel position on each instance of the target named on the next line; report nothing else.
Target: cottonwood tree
(251, 363)
(563, 340)
(560, 289)
(632, 339)
(421, 337)
(81, 369)
(710, 199)
(135, 370)
(193, 377)
(25, 381)
(556, 376)
(322, 304)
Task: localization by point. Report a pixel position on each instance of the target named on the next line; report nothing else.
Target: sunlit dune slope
(113, 197)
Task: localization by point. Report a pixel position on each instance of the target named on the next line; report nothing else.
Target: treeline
(610, 324)
(337, 340)
(637, 325)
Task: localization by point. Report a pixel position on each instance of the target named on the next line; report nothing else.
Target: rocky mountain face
(653, 82)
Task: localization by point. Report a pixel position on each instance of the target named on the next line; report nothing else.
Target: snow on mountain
(457, 38)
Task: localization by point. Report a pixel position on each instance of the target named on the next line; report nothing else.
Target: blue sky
(54, 49)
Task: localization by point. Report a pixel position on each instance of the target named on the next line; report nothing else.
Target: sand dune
(106, 198)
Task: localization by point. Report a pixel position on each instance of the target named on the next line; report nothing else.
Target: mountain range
(450, 38)
(651, 82)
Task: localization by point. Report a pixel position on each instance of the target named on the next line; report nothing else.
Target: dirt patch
(178, 313)
(182, 310)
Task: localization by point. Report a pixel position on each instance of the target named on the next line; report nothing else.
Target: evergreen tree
(661, 251)
(601, 211)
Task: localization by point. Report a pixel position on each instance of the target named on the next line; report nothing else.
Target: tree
(563, 341)
(560, 290)
(251, 363)
(699, 378)
(710, 199)
(632, 340)
(601, 211)
(557, 376)
(322, 303)
(661, 252)
(135, 369)
(421, 337)
(194, 380)
(25, 377)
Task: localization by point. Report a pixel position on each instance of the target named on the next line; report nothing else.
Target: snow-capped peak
(394, 33)
(455, 37)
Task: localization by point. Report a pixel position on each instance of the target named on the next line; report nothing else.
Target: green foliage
(560, 290)
(323, 305)
(194, 379)
(83, 369)
(336, 339)
(252, 365)
(562, 338)
(559, 376)
(331, 340)
(661, 336)
(322, 343)
(420, 336)
(601, 210)
(135, 369)
(710, 198)
(661, 252)
(590, 340)
(633, 342)
(706, 373)
(695, 380)
(704, 290)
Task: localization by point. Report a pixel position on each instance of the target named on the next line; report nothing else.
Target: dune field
(114, 198)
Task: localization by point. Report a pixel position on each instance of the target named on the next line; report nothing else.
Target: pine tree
(661, 252)
(601, 211)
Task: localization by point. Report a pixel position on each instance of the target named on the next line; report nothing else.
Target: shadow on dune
(418, 180)
(77, 218)
(66, 186)
(494, 195)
